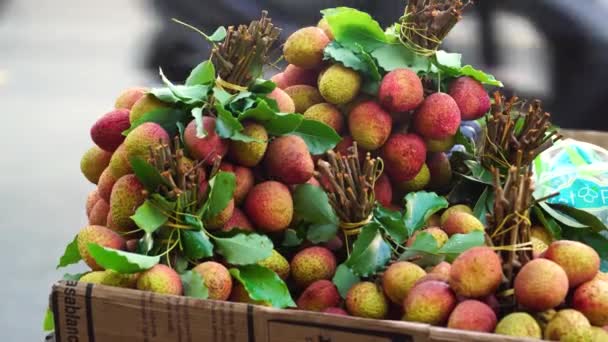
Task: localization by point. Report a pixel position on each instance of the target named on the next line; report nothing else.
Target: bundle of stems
(240, 58)
(426, 23)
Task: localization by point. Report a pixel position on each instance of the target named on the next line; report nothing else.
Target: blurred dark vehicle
(576, 36)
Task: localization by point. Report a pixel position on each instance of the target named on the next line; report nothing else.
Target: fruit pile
(374, 177)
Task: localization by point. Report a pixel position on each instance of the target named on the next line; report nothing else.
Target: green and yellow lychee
(312, 264)
(161, 279)
(399, 278)
(304, 47)
(94, 162)
(580, 261)
(429, 302)
(339, 85)
(369, 125)
(217, 279)
(519, 324)
(250, 153)
(476, 273)
(367, 300)
(100, 235)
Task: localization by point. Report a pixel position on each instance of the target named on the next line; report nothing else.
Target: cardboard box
(96, 313)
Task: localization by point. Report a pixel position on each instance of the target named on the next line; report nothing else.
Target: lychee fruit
(591, 298)
(335, 311)
(244, 182)
(401, 91)
(324, 25)
(277, 263)
(462, 223)
(472, 315)
(217, 279)
(284, 102)
(220, 219)
(149, 134)
(599, 335)
(250, 153)
(269, 206)
(440, 236)
(580, 261)
(383, 190)
(92, 199)
(304, 47)
(107, 131)
(94, 162)
(339, 84)
(304, 96)
(294, 75)
(160, 279)
(470, 96)
(208, 148)
(541, 285)
(602, 276)
(129, 97)
(318, 296)
(366, 299)
(440, 170)
(455, 208)
(327, 114)
(399, 278)
(119, 163)
(476, 273)
(147, 103)
(127, 196)
(419, 182)
(403, 155)
(438, 117)
(568, 325)
(101, 236)
(288, 160)
(105, 184)
(519, 324)
(312, 264)
(99, 213)
(442, 145)
(279, 80)
(542, 234)
(430, 302)
(238, 220)
(443, 267)
(111, 278)
(369, 125)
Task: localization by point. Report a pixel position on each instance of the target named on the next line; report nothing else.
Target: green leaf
(197, 114)
(204, 73)
(395, 56)
(425, 242)
(581, 216)
(228, 127)
(459, 243)
(221, 190)
(392, 223)
(321, 232)
(370, 252)
(262, 86)
(419, 207)
(312, 205)
(548, 222)
(447, 59)
(319, 137)
(264, 285)
(145, 244)
(351, 27)
(147, 174)
(561, 217)
(275, 123)
(484, 205)
(149, 217)
(218, 35)
(291, 238)
(49, 321)
(337, 53)
(196, 244)
(165, 95)
(449, 64)
(468, 144)
(478, 173)
(71, 255)
(243, 249)
(167, 118)
(194, 286)
(188, 94)
(344, 279)
(120, 261)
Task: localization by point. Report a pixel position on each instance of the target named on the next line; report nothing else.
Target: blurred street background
(63, 63)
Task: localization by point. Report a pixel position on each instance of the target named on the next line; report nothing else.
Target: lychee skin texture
(327, 114)
(335, 311)
(541, 285)
(269, 206)
(473, 315)
(438, 117)
(105, 184)
(452, 209)
(127, 196)
(111, 278)
(284, 102)
(119, 163)
(318, 296)
(219, 220)
(443, 267)
(366, 300)
(208, 148)
(304, 96)
(401, 91)
(580, 261)
(476, 273)
(144, 136)
(312, 264)
(369, 125)
(440, 236)
(519, 324)
(94, 162)
(238, 220)
(278, 264)
(145, 104)
(244, 182)
(294, 75)
(470, 96)
(99, 213)
(101, 236)
(591, 298)
(462, 223)
(403, 155)
(288, 160)
(304, 47)
(568, 325)
(250, 153)
(598, 334)
(419, 182)
(107, 131)
(442, 145)
(339, 84)
(160, 279)
(92, 199)
(440, 170)
(430, 302)
(324, 25)
(399, 279)
(383, 191)
(129, 97)
(279, 80)
(217, 279)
